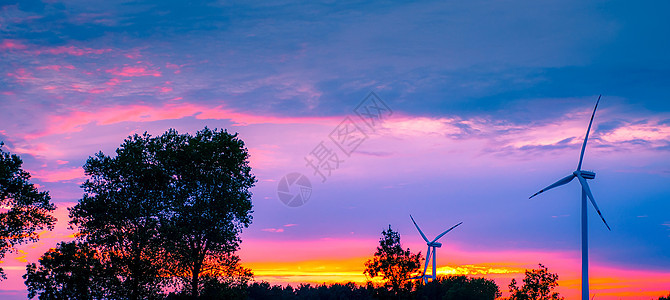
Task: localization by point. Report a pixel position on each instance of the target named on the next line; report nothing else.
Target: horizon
(478, 106)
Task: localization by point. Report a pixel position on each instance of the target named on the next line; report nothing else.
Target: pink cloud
(133, 54)
(568, 131)
(273, 229)
(403, 125)
(55, 67)
(37, 150)
(219, 113)
(71, 50)
(21, 75)
(75, 121)
(134, 72)
(267, 157)
(11, 45)
(97, 90)
(50, 175)
(115, 81)
(654, 133)
(89, 89)
(177, 68)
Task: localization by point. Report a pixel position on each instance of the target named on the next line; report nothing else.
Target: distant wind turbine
(431, 246)
(582, 175)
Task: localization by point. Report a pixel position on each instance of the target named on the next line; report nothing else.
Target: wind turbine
(582, 176)
(431, 246)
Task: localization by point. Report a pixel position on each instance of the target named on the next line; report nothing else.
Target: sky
(480, 104)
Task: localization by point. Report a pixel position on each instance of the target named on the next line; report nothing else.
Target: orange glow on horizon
(606, 283)
(340, 261)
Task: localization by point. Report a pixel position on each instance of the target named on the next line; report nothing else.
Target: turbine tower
(582, 176)
(432, 245)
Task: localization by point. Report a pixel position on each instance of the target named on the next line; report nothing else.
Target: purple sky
(490, 103)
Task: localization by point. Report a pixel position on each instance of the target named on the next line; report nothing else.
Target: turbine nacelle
(585, 174)
(435, 244)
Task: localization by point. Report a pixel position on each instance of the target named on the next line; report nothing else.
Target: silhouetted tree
(458, 288)
(665, 298)
(70, 271)
(393, 264)
(537, 285)
(120, 214)
(23, 209)
(168, 207)
(208, 202)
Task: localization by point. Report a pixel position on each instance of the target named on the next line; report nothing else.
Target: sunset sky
(487, 102)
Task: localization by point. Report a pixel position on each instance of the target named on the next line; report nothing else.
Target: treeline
(448, 287)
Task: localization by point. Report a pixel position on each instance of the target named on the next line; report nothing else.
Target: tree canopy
(209, 201)
(70, 271)
(121, 212)
(393, 264)
(23, 209)
(537, 285)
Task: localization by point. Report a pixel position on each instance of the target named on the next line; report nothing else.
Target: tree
(393, 264)
(209, 202)
(23, 209)
(537, 285)
(664, 298)
(168, 207)
(120, 214)
(458, 287)
(70, 271)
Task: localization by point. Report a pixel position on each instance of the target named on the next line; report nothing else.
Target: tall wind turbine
(582, 176)
(431, 250)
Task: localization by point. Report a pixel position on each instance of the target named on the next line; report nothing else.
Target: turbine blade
(417, 227)
(581, 156)
(562, 181)
(587, 190)
(439, 236)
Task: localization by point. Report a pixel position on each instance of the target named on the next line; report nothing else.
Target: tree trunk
(195, 279)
